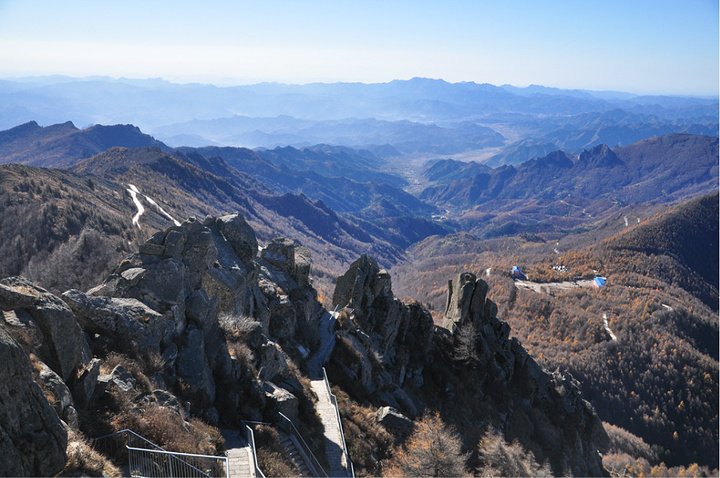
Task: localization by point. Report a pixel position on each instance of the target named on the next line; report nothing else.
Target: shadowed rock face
(384, 342)
(545, 412)
(32, 437)
(551, 415)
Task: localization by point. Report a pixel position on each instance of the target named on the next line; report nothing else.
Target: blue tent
(517, 273)
(599, 282)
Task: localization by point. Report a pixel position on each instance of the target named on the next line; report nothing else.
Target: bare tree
(433, 449)
(501, 459)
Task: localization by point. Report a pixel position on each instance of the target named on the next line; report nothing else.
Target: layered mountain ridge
(66, 228)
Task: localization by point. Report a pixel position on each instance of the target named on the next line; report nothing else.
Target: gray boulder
(280, 400)
(63, 340)
(394, 421)
(33, 440)
(129, 319)
(121, 377)
(240, 236)
(12, 298)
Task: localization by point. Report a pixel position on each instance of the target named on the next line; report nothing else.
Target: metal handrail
(126, 432)
(333, 399)
(306, 449)
(156, 449)
(250, 438)
(194, 471)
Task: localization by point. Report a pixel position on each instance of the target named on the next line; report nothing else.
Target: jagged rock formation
(547, 412)
(544, 411)
(162, 305)
(167, 299)
(387, 341)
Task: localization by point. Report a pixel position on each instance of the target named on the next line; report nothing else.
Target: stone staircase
(239, 455)
(334, 443)
(326, 407)
(295, 455)
(327, 343)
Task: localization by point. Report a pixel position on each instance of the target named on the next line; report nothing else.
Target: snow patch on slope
(134, 191)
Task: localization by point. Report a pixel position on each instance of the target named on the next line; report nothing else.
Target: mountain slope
(569, 192)
(657, 374)
(684, 240)
(61, 145)
(61, 229)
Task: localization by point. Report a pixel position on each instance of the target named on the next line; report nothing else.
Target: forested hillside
(657, 375)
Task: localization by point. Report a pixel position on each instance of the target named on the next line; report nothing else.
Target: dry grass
(368, 442)
(136, 368)
(84, 461)
(272, 459)
(166, 428)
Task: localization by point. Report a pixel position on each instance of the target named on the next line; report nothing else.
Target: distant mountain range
(409, 117)
(350, 199)
(559, 191)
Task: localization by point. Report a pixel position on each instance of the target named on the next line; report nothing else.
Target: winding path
(548, 287)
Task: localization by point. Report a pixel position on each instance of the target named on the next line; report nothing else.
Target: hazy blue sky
(640, 46)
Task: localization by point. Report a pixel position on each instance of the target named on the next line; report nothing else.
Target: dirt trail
(550, 287)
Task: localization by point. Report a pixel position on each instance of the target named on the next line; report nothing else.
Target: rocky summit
(203, 323)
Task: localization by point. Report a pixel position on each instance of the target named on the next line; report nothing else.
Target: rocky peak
(385, 341)
(545, 411)
(601, 156)
(391, 353)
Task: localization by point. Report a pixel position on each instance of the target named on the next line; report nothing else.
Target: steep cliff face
(383, 341)
(32, 437)
(469, 369)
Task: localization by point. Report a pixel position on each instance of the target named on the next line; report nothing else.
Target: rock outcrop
(167, 299)
(32, 437)
(394, 353)
(384, 341)
(61, 343)
(544, 411)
